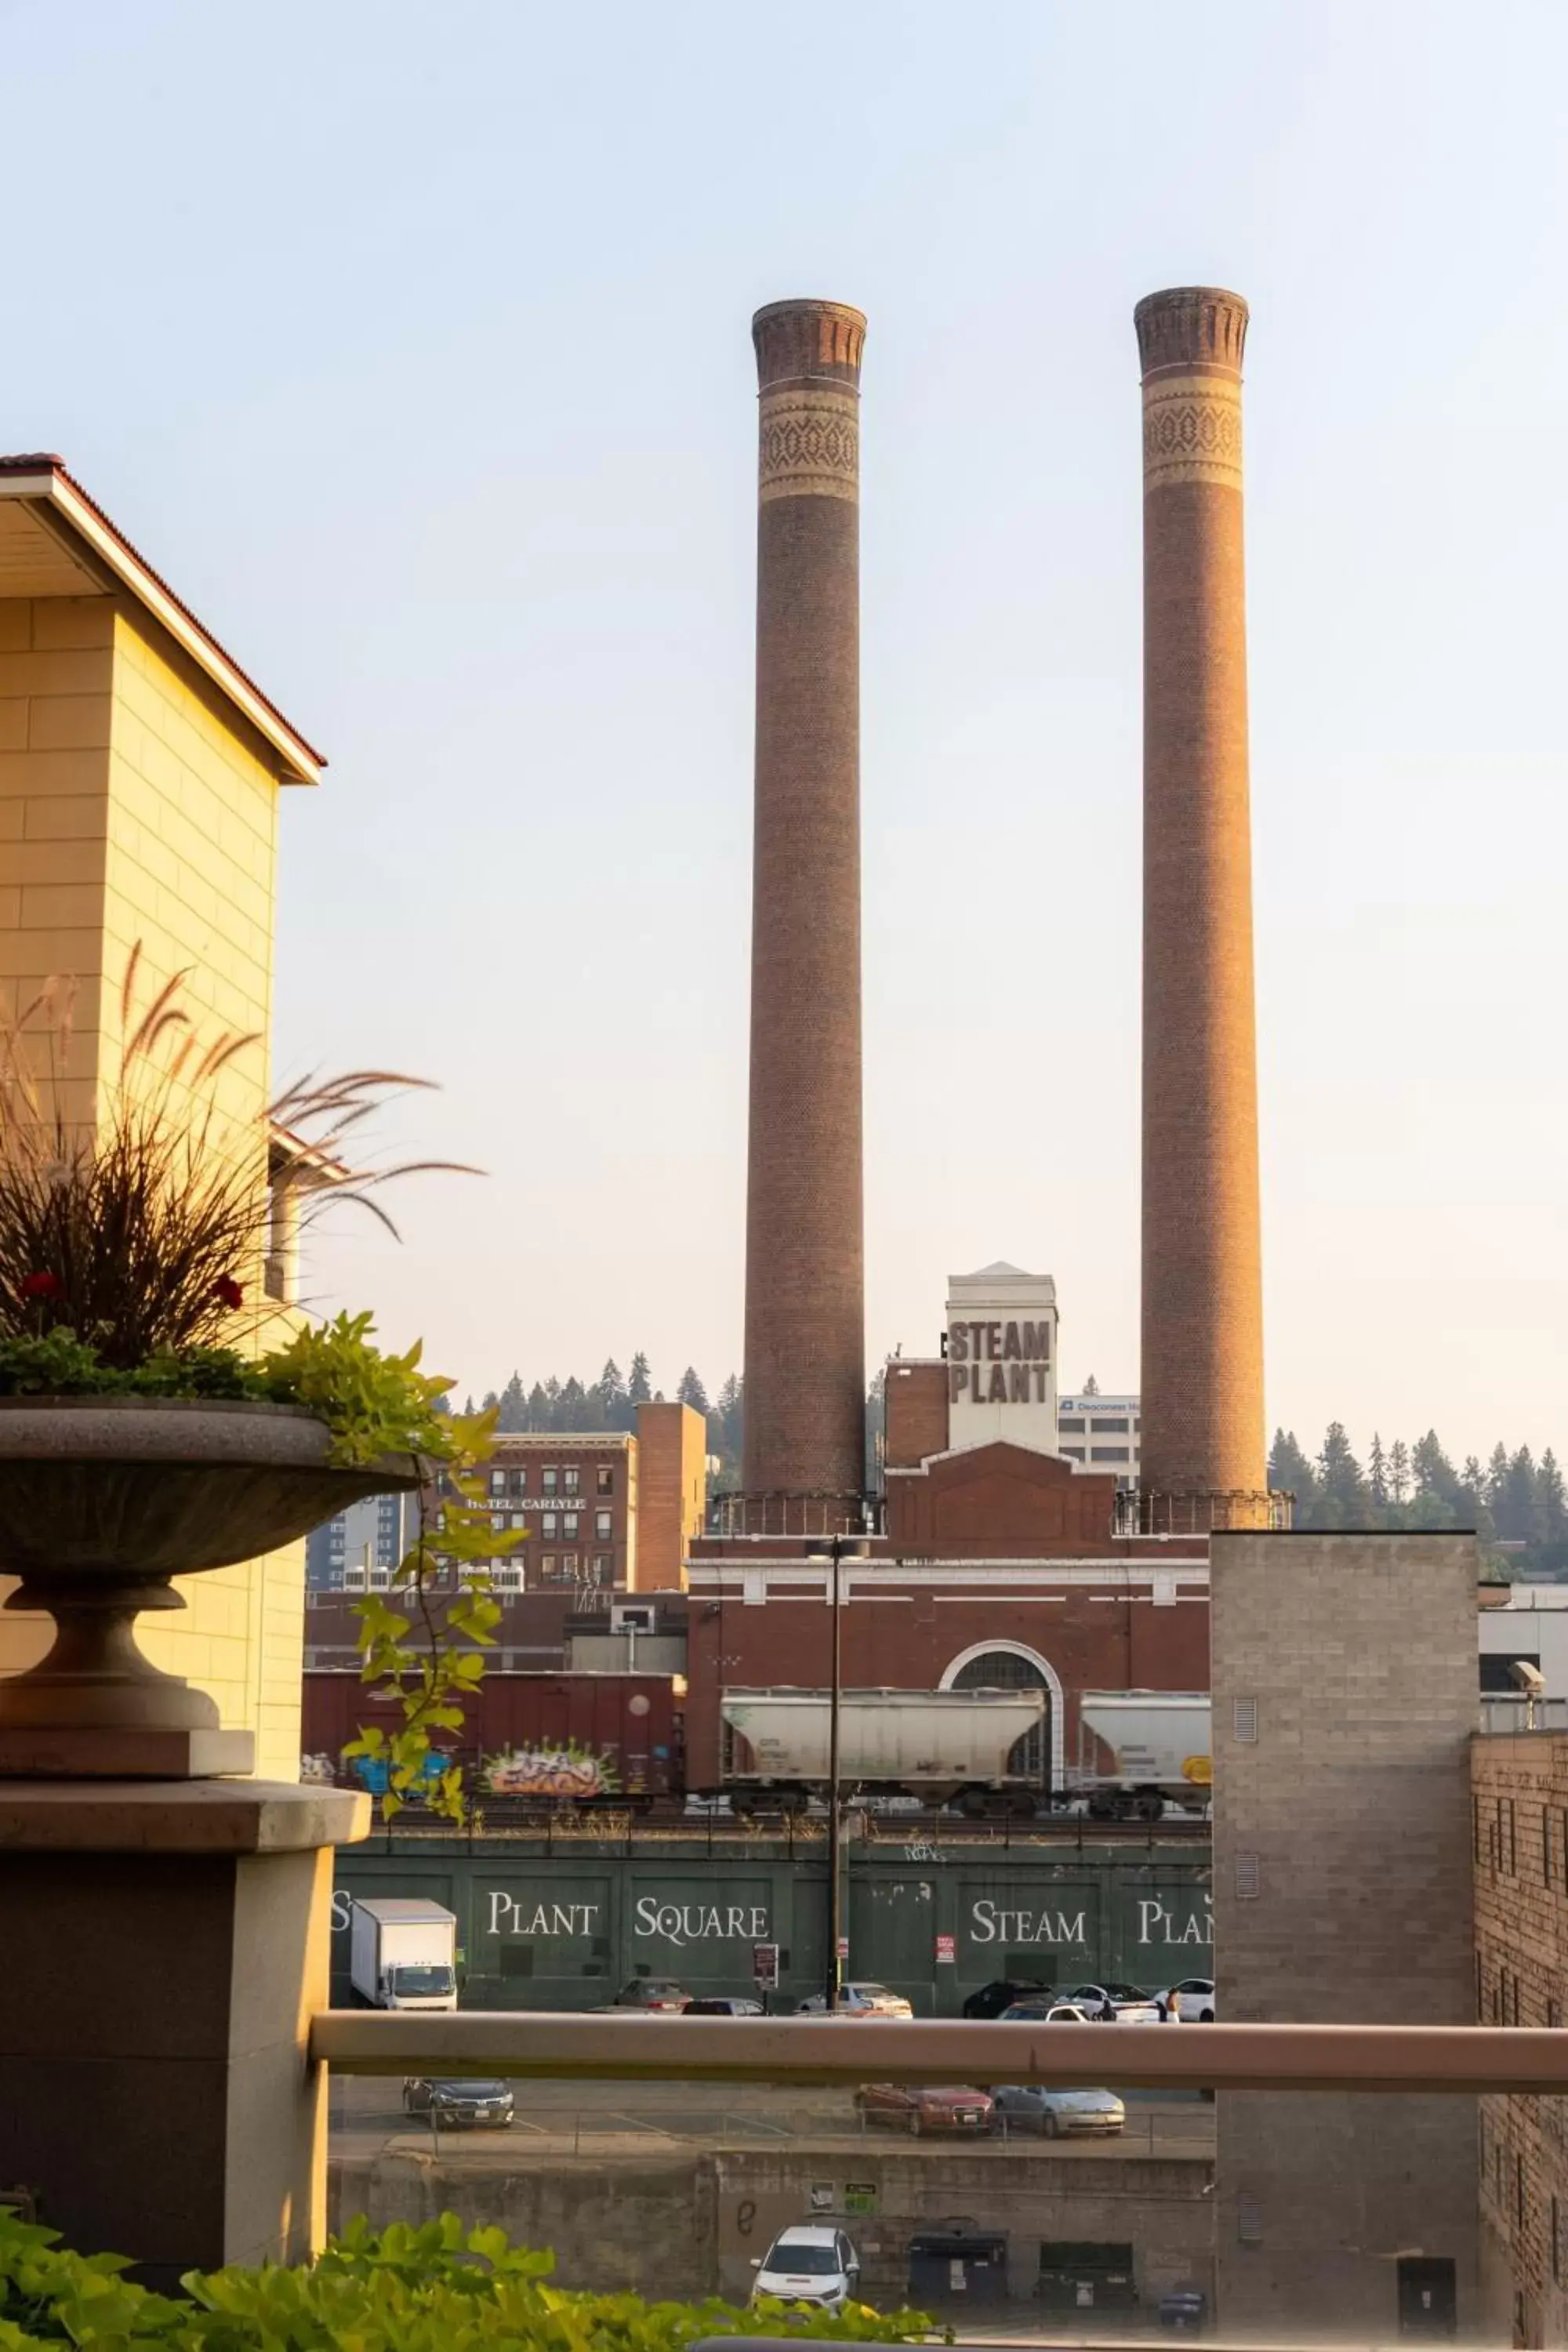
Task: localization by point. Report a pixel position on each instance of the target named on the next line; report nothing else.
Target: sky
(412, 344)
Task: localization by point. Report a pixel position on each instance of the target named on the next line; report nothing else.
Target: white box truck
(403, 1953)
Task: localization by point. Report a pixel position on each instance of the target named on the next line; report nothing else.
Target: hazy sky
(411, 342)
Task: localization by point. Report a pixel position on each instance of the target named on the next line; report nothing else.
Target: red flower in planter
(41, 1286)
(227, 1292)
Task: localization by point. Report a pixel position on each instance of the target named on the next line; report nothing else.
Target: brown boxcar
(572, 1736)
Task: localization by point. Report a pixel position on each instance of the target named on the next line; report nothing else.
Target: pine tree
(1554, 1502)
(612, 1394)
(1290, 1472)
(639, 1389)
(1435, 1476)
(1377, 1473)
(538, 1407)
(1091, 1386)
(569, 1404)
(692, 1392)
(1497, 1482)
(491, 1402)
(1398, 1472)
(1344, 1501)
(1523, 1517)
(1475, 1508)
(514, 1407)
(726, 1429)
(469, 1406)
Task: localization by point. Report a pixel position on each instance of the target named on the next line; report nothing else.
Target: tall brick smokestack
(1203, 1308)
(806, 1385)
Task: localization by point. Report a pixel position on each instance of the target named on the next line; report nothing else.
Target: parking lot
(617, 2122)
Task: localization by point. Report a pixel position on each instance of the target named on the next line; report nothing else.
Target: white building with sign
(1000, 1348)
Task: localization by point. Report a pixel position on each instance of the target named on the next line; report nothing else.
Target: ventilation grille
(1249, 2221)
(1246, 1878)
(1244, 1718)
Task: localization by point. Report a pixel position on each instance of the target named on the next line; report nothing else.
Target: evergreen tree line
(1512, 1499)
(570, 1407)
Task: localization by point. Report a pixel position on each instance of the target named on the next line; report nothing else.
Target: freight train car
(580, 1739)
(980, 1747)
(1143, 1749)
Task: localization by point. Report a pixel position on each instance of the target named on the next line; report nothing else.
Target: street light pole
(835, 1882)
(840, 1547)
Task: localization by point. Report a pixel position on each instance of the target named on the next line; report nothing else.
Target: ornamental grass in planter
(159, 1415)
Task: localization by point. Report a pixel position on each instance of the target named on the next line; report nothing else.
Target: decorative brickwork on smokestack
(804, 1294)
(1203, 1311)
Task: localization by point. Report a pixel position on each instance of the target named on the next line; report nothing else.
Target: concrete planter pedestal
(165, 1946)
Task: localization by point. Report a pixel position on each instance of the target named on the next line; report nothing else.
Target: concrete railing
(849, 2050)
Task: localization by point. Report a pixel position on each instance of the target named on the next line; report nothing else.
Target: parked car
(1046, 2011)
(861, 1999)
(1196, 1999)
(808, 2264)
(659, 1993)
(1001, 1992)
(455, 2103)
(1131, 2006)
(915, 2107)
(725, 2005)
(1059, 2114)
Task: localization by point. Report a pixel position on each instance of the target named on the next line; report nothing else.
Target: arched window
(1012, 1670)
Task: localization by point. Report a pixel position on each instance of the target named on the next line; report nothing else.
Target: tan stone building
(1343, 1677)
(140, 777)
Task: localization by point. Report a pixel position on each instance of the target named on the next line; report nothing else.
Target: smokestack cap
(1199, 327)
(807, 341)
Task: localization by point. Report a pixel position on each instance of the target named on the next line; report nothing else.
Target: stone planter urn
(102, 1501)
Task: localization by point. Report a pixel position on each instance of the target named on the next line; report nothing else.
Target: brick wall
(672, 1491)
(1520, 1850)
(1344, 1697)
(917, 1414)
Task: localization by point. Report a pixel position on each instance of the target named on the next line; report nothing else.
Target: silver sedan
(1058, 2115)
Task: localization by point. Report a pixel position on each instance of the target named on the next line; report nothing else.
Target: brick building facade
(1518, 1831)
(991, 1553)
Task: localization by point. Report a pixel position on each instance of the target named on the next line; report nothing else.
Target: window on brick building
(571, 1480)
(547, 1523)
(547, 1568)
(605, 1477)
(1504, 1857)
(547, 1479)
(569, 1522)
(601, 1523)
(602, 1567)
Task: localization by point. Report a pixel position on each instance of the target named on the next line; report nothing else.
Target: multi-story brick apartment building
(574, 1503)
(1519, 1826)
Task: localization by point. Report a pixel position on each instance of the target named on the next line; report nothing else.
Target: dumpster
(958, 2264)
(1086, 2274)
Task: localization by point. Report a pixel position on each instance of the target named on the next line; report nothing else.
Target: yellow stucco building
(139, 774)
